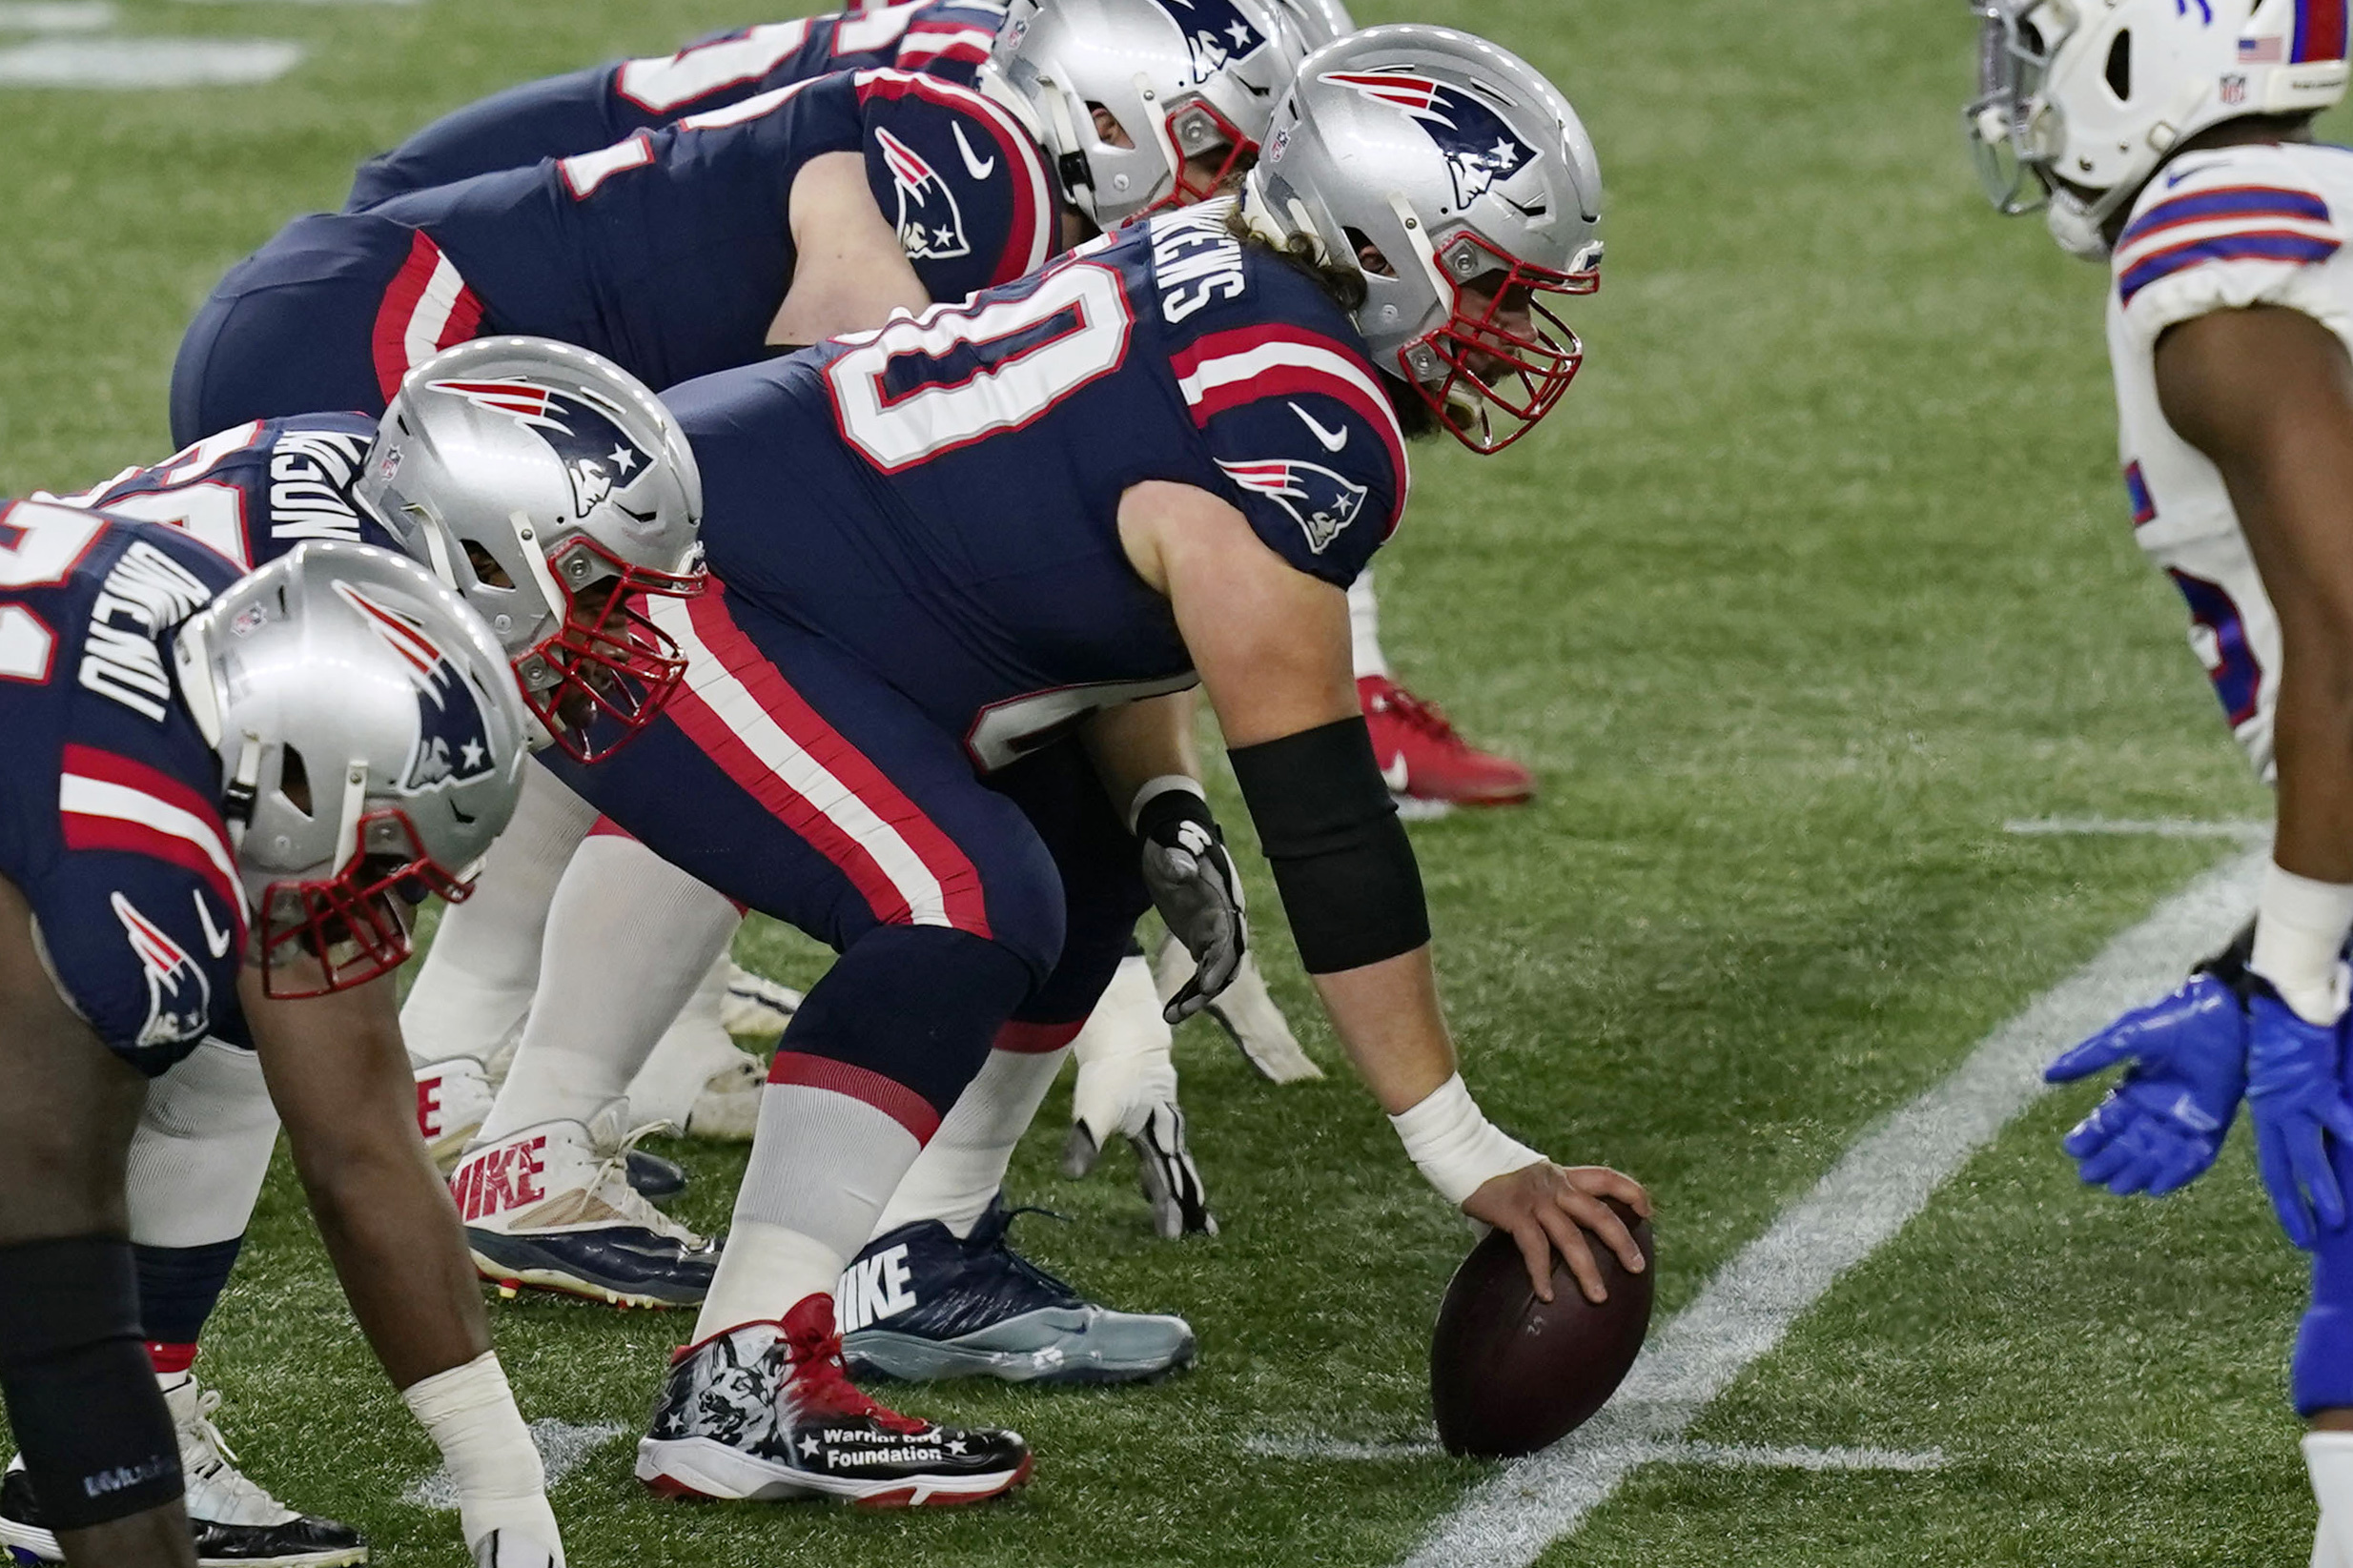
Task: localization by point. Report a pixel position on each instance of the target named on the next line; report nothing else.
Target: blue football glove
(2294, 1097)
(2164, 1122)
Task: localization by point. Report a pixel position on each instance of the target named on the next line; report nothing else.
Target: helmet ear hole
(2120, 70)
(1367, 255)
(294, 781)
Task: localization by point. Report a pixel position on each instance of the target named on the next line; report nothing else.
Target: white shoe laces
(228, 1496)
(611, 1183)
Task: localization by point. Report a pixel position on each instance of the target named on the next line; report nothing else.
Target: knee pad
(80, 1393)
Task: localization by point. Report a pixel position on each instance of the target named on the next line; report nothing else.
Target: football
(1510, 1374)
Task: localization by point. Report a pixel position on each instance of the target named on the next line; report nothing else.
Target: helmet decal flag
(1478, 147)
(453, 735)
(179, 999)
(929, 223)
(1217, 32)
(1321, 501)
(588, 438)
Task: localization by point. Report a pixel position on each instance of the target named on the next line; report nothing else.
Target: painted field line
(1880, 1184)
(2144, 828)
(1718, 1456)
(144, 64)
(56, 15)
(563, 1447)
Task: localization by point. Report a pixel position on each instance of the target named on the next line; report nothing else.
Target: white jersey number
(38, 546)
(1008, 731)
(930, 383)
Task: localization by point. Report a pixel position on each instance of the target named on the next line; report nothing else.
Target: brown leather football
(1509, 1374)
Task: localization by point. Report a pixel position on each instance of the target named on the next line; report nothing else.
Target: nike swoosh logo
(215, 937)
(977, 166)
(1392, 771)
(1333, 439)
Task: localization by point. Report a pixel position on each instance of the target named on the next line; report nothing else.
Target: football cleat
(551, 1207)
(236, 1523)
(453, 1097)
(765, 1412)
(727, 1108)
(756, 1006)
(1248, 1013)
(1423, 759)
(920, 1305)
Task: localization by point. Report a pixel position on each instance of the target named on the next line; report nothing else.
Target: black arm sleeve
(1341, 861)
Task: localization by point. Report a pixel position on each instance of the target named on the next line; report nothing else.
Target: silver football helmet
(372, 740)
(1461, 185)
(1306, 25)
(1188, 84)
(553, 492)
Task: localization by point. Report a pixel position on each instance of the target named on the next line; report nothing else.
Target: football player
(219, 795)
(585, 109)
(1167, 453)
(608, 502)
(580, 993)
(2174, 143)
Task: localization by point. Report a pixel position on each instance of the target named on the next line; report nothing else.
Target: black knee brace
(80, 1393)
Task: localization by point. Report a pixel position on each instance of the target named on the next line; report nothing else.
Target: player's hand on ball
(1549, 1208)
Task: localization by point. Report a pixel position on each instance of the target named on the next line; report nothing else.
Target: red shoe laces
(1415, 713)
(824, 1384)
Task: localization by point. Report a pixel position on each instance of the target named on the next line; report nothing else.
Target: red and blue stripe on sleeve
(2224, 223)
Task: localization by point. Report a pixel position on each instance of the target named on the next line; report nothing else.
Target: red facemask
(1500, 378)
(614, 669)
(1207, 126)
(349, 927)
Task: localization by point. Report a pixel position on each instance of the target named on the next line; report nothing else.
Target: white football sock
(628, 938)
(961, 1169)
(695, 1046)
(821, 1166)
(1364, 627)
(476, 983)
(201, 1149)
(2328, 1456)
(1125, 1067)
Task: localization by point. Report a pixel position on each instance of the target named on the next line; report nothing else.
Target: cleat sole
(697, 1469)
(905, 1358)
(512, 1282)
(29, 1545)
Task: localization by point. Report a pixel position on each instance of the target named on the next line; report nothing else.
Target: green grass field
(1821, 574)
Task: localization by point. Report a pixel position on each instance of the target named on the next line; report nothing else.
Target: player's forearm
(1388, 1018)
(1135, 742)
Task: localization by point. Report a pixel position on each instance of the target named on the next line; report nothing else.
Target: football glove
(2297, 1102)
(2163, 1123)
(1196, 888)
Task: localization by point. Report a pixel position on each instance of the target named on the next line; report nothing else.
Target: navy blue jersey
(255, 492)
(579, 113)
(668, 253)
(941, 496)
(110, 798)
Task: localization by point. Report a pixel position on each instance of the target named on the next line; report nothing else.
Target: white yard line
(2137, 827)
(145, 64)
(1719, 1455)
(563, 1447)
(56, 15)
(1883, 1181)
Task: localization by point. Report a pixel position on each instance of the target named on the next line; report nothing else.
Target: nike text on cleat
(920, 1305)
(1423, 759)
(756, 1007)
(453, 1096)
(551, 1207)
(765, 1412)
(235, 1523)
(1248, 1013)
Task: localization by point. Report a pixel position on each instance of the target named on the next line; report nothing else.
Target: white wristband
(1154, 788)
(470, 1412)
(1455, 1146)
(2299, 930)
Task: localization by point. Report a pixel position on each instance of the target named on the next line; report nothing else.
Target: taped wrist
(470, 1412)
(81, 1394)
(1341, 861)
(1456, 1149)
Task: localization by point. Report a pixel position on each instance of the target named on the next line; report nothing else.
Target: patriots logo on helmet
(453, 735)
(583, 432)
(1321, 502)
(179, 999)
(1217, 32)
(931, 225)
(1480, 151)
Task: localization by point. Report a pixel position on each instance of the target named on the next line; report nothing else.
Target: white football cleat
(551, 1207)
(756, 1006)
(700, 1080)
(453, 1097)
(1248, 1013)
(727, 1109)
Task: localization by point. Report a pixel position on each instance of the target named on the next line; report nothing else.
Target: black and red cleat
(765, 1412)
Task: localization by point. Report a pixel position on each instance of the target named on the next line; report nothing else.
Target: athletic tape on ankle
(1455, 1146)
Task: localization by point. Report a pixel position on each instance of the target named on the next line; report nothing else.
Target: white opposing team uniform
(2220, 230)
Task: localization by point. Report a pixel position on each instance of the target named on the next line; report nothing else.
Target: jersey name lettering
(1196, 260)
(311, 473)
(145, 593)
